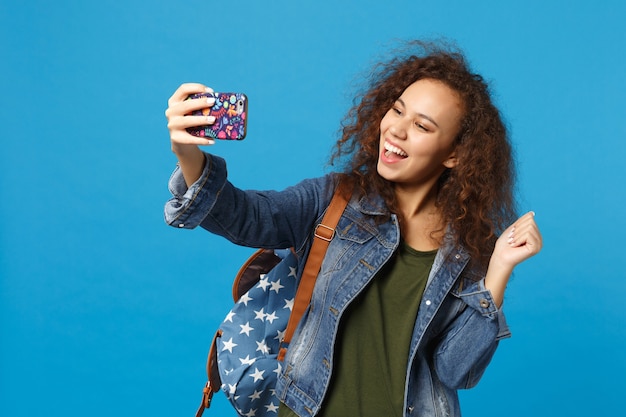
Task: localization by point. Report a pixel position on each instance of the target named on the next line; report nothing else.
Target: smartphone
(231, 115)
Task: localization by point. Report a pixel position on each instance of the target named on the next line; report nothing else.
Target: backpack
(248, 349)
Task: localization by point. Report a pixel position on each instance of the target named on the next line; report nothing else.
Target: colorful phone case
(230, 112)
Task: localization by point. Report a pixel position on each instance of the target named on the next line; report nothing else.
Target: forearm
(496, 280)
(191, 161)
(271, 219)
(467, 347)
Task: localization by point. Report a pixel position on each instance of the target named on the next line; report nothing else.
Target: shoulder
(319, 189)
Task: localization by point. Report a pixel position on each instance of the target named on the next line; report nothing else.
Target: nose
(399, 128)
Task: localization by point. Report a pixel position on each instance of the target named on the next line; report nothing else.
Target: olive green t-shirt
(372, 348)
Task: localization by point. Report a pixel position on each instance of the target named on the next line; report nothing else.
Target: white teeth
(395, 149)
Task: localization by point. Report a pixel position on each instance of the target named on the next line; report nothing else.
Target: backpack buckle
(324, 232)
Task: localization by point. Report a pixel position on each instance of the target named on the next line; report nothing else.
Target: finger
(534, 236)
(526, 235)
(182, 137)
(185, 90)
(186, 107)
(528, 217)
(525, 219)
(185, 122)
(531, 243)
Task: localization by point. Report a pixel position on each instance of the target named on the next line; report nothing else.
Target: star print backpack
(248, 349)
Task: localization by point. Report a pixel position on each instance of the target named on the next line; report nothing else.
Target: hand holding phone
(231, 114)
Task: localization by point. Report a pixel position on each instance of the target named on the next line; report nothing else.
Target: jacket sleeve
(189, 206)
(268, 219)
(469, 342)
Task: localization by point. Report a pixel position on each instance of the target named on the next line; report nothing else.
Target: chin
(381, 172)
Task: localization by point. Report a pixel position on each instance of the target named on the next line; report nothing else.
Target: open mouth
(391, 150)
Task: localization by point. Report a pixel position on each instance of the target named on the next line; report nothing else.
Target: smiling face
(417, 134)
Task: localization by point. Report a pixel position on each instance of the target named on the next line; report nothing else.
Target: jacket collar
(372, 204)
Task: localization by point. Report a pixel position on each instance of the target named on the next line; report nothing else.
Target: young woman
(407, 306)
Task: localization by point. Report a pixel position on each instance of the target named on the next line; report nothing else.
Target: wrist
(499, 267)
(497, 278)
(185, 150)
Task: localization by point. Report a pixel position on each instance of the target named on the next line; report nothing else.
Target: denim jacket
(457, 327)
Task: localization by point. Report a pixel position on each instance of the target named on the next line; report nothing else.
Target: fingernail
(532, 213)
(512, 231)
(210, 119)
(210, 101)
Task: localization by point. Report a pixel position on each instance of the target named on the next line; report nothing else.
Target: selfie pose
(407, 307)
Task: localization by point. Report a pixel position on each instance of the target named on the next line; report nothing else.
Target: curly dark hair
(475, 198)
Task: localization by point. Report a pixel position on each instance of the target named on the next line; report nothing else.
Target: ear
(452, 161)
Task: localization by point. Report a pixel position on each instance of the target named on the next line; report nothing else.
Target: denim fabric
(458, 325)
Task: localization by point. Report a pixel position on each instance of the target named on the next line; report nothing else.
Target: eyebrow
(420, 114)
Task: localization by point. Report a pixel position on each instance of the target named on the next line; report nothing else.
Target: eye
(422, 127)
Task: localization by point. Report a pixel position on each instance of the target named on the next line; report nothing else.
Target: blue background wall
(105, 308)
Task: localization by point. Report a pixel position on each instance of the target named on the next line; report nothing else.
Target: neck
(415, 201)
(421, 223)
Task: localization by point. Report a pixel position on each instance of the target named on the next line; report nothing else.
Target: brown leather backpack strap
(214, 381)
(324, 233)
